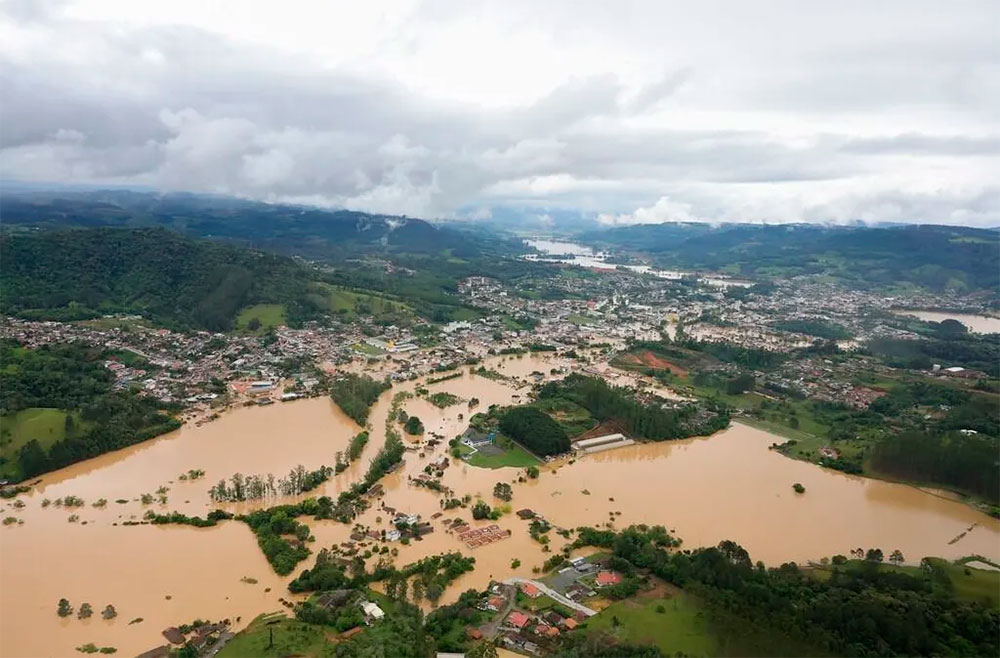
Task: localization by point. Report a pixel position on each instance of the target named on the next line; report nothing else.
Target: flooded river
(980, 324)
(571, 253)
(706, 489)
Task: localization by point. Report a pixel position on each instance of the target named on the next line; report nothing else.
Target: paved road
(569, 603)
(221, 642)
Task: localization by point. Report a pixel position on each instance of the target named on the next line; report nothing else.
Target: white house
(373, 613)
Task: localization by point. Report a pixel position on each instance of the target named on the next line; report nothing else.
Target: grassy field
(516, 457)
(542, 602)
(350, 304)
(681, 627)
(461, 314)
(46, 425)
(291, 638)
(365, 348)
(269, 316)
(577, 319)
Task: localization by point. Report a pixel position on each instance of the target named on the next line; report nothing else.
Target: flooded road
(728, 486)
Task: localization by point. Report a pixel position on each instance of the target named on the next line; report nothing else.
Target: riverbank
(707, 489)
(813, 442)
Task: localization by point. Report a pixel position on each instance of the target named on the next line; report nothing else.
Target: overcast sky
(635, 111)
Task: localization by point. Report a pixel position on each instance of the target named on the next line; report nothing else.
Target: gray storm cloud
(658, 112)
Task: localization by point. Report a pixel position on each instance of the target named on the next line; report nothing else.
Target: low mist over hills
(300, 230)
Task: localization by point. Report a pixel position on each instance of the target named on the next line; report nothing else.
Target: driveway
(493, 627)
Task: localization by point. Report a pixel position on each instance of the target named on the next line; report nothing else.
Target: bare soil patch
(605, 428)
(651, 360)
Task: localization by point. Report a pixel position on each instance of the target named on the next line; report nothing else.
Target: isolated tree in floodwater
(503, 491)
(480, 510)
(64, 609)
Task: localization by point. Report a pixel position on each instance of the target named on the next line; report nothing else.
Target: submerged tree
(503, 491)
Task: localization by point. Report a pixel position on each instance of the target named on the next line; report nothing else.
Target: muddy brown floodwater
(728, 486)
(980, 324)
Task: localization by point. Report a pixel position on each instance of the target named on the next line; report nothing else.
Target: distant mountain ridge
(309, 232)
(930, 256)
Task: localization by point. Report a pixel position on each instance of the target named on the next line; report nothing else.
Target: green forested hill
(313, 233)
(173, 280)
(933, 257)
(353, 249)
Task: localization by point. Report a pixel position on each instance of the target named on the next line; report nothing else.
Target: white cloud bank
(634, 111)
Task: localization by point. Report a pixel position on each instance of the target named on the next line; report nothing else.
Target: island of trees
(355, 394)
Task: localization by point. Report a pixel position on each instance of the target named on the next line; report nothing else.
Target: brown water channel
(706, 489)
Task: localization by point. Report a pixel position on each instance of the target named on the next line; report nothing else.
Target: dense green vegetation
(967, 350)
(534, 430)
(175, 281)
(272, 527)
(69, 383)
(573, 418)
(355, 394)
(818, 328)
(854, 612)
(448, 623)
(651, 421)
(354, 450)
(430, 259)
(401, 635)
(967, 463)
(443, 399)
(933, 257)
(745, 357)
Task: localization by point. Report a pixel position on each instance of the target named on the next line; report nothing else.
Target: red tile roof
(531, 590)
(608, 578)
(517, 619)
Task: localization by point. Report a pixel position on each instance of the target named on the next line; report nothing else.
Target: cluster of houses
(529, 632)
(204, 639)
(476, 537)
